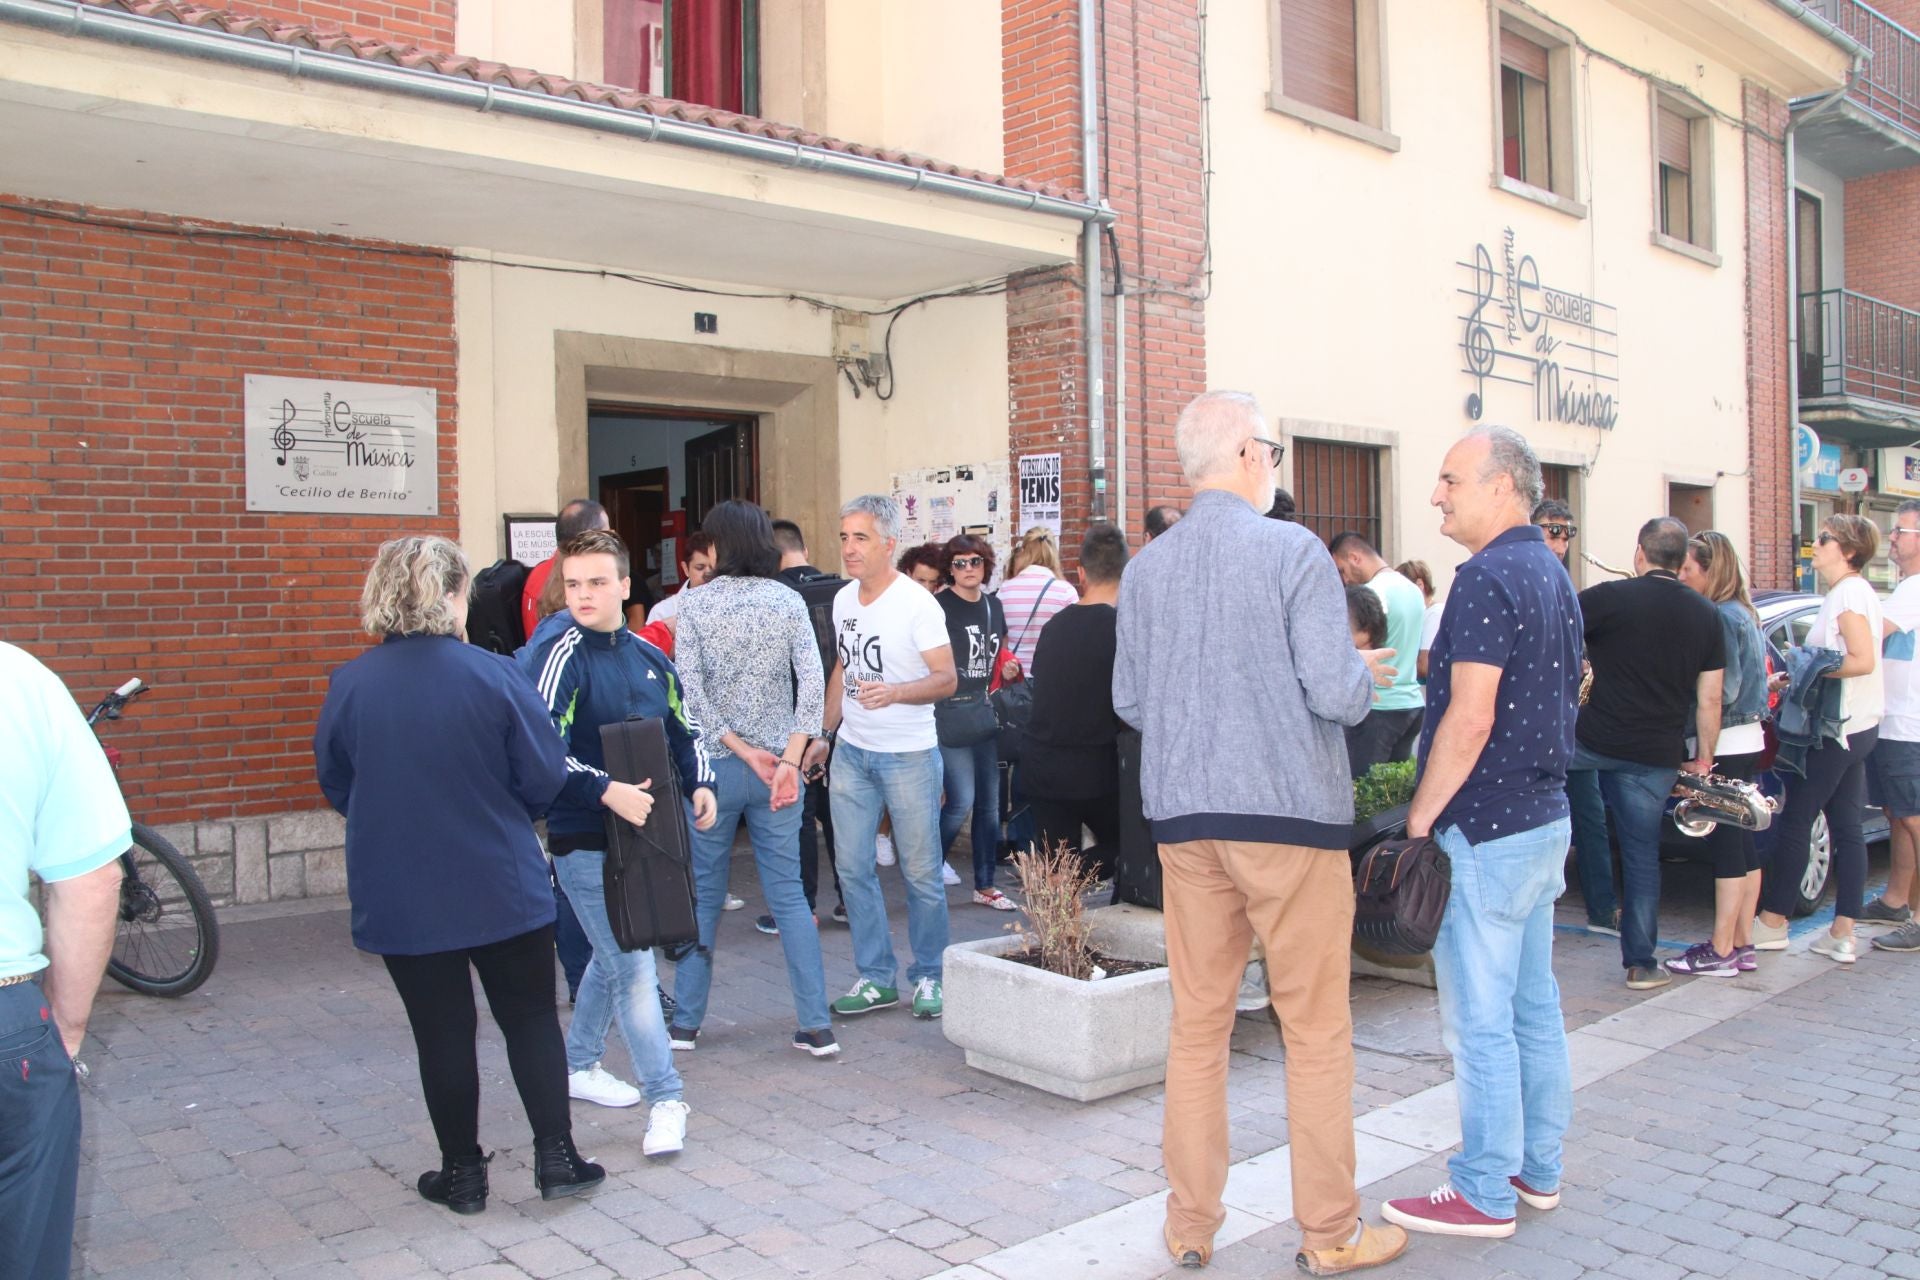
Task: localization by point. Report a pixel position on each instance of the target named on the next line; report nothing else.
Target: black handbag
(965, 720)
(1013, 703)
(1400, 890)
(648, 876)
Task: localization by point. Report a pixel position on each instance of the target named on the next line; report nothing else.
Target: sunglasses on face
(1559, 530)
(968, 562)
(1824, 537)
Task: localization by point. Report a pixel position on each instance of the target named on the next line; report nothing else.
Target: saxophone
(1709, 800)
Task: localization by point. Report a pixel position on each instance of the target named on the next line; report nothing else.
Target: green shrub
(1385, 786)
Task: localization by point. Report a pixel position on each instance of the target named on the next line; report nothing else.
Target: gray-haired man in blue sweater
(1236, 665)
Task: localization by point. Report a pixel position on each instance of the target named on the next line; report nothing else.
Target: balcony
(1878, 128)
(1860, 366)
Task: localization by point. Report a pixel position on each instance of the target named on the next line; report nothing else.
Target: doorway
(659, 471)
(1691, 505)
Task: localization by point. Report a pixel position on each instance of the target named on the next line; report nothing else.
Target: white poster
(1040, 492)
(531, 539)
(316, 444)
(938, 502)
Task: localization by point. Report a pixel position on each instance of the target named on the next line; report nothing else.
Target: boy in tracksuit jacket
(597, 672)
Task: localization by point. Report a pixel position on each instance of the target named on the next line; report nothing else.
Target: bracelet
(784, 761)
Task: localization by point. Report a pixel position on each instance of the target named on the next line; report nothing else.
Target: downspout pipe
(158, 35)
(1794, 317)
(1094, 320)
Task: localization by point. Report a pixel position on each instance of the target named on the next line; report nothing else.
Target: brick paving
(270, 1125)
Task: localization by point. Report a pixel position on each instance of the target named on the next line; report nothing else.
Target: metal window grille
(1337, 487)
(1559, 483)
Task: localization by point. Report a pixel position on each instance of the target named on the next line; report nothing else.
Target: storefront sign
(1853, 480)
(1558, 348)
(530, 539)
(1806, 446)
(1900, 472)
(1040, 492)
(1824, 474)
(315, 444)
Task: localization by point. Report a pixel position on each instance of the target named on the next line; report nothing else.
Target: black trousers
(437, 989)
(1057, 820)
(1836, 785)
(814, 807)
(1383, 736)
(1732, 848)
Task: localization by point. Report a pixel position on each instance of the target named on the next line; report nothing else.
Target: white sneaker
(948, 876)
(666, 1129)
(596, 1084)
(733, 904)
(883, 850)
(1838, 950)
(1769, 937)
(1253, 992)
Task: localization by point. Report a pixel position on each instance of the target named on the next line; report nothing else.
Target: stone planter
(1079, 1040)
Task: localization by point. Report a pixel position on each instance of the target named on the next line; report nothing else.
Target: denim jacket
(1743, 696)
(1810, 709)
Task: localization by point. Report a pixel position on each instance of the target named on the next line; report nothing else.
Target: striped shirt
(1018, 597)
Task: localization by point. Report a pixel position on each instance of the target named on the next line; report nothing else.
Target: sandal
(995, 899)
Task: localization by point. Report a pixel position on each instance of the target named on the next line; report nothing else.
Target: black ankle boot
(461, 1185)
(559, 1171)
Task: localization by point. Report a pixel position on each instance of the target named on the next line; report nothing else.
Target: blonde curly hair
(1036, 546)
(408, 585)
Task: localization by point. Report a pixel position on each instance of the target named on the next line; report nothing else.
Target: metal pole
(1090, 257)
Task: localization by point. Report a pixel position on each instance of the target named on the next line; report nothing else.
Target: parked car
(1785, 619)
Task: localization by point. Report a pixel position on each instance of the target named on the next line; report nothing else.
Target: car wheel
(1813, 885)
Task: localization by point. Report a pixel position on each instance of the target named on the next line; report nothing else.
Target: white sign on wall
(968, 497)
(1040, 493)
(317, 444)
(531, 539)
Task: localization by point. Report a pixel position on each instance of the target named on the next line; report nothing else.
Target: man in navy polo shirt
(1502, 696)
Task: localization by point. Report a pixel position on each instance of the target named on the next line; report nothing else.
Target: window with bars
(1337, 487)
(1558, 483)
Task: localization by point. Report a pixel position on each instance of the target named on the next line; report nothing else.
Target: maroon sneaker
(1535, 1199)
(1445, 1212)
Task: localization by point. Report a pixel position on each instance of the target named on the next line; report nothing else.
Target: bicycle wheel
(168, 939)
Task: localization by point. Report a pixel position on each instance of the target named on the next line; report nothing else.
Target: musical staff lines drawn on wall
(1519, 330)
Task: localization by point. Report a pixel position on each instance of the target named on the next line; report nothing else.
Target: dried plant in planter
(1055, 882)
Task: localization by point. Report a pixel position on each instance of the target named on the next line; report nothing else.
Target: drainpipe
(1090, 260)
(1793, 302)
(1120, 389)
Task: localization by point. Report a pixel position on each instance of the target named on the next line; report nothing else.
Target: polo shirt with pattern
(1512, 606)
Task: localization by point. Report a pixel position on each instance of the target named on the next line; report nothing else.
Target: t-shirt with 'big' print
(884, 641)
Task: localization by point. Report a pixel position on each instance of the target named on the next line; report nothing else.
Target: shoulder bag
(1013, 703)
(966, 719)
(1400, 890)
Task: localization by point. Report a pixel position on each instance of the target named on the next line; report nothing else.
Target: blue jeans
(1592, 852)
(39, 1138)
(1636, 796)
(776, 854)
(1500, 1013)
(907, 785)
(973, 784)
(570, 940)
(616, 983)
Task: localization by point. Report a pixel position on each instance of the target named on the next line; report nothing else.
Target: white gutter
(1808, 17)
(70, 17)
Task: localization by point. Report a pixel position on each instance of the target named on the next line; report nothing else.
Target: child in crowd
(1366, 618)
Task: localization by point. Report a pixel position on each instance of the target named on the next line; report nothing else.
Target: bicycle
(167, 939)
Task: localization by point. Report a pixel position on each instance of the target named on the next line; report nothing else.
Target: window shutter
(1674, 133)
(1523, 55)
(1318, 62)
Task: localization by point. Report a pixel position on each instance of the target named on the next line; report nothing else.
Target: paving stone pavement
(270, 1125)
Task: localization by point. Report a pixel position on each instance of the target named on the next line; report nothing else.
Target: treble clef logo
(283, 437)
(1477, 342)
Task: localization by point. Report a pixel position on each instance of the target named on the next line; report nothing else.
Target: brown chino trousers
(1217, 895)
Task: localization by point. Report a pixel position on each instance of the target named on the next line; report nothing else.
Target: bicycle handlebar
(109, 707)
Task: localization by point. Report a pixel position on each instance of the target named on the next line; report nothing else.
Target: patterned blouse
(750, 663)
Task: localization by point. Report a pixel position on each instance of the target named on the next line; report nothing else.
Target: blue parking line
(1821, 919)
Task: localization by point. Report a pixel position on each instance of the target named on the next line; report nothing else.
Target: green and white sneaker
(865, 998)
(926, 998)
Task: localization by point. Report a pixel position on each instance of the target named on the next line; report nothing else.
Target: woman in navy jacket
(441, 757)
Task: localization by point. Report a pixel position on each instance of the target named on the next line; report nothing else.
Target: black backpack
(818, 592)
(493, 617)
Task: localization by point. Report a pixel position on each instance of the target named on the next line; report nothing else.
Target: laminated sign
(316, 444)
(1039, 492)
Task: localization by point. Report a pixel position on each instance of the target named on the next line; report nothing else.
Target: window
(700, 51)
(1557, 483)
(1329, 66)
(1337, 487)
(1682, 174)
(1534, 121)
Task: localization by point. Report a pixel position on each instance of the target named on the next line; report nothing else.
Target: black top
(1649, 639)
(1070, 739)
(976, 629)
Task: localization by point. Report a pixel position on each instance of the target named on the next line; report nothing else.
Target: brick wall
(1152, 178)
(1769, 456)
(1883, 255)
(426, 23)
(125, 543)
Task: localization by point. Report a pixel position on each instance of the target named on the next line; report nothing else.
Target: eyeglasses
(1896, 531)
(969, 562)
(1558, 530)
(1275, 450)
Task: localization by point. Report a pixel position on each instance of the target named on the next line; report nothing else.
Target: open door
(720, 465)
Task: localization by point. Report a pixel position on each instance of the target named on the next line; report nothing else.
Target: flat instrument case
(649, 869)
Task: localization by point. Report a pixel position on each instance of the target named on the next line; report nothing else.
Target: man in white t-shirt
(1896, 760)
(894, 663)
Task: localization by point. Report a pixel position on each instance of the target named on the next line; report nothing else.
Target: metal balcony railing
(1890, 82)
(1853, 345)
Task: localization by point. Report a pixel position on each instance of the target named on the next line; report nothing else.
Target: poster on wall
(1040, 492)
(530, 539)
(938, 502)
(317, 444)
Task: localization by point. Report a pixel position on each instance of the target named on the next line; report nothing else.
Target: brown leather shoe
(1191, 1256)
(1376, 1245)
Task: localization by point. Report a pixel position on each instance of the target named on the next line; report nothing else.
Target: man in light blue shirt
(61, 818)
(1392, 726)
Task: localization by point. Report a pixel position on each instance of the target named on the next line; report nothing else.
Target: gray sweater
(1236, 664)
